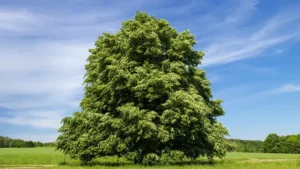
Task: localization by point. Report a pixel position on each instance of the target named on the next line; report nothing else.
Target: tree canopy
(282, 144)
(145, 99)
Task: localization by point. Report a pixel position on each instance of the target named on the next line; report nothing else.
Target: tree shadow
(122, 163)
(97, 163)
(195, 162)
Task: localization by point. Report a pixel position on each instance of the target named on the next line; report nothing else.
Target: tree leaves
(144, 97)
(282, 144)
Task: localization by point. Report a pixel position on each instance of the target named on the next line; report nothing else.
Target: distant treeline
(282, 144)
(254, 146)
(272, 144)
(6, 142)
(242, 145)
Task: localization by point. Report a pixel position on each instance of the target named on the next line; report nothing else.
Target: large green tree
(145, 99)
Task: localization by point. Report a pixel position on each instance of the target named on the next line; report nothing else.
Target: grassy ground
(14, 158)
(242, 156)
(30, 156)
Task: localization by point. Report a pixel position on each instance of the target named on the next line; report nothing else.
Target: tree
(247, 145)
(18, 143)
(29, 144)
(291, 144)
(282, 144)
(271, 143)
(145, 98)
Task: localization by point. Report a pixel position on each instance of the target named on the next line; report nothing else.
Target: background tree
(271, 143)
(247, 145)
(282, 144)
(145, 98)
(6, 142)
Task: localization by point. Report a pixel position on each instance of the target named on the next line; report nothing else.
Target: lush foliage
(247, 145)
(282, 144)
(6, 142)
(145, 99)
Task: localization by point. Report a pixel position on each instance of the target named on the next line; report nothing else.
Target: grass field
(17, 158)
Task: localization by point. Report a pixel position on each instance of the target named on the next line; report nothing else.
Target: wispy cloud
(286, 88)
(233, 40)
(43, 74)
(11, 20)
(238, 50)
(279, 51)
(52, 71)
(39, 119)
(251, 68)
(43, 56)
(215, 79)
(24, 23)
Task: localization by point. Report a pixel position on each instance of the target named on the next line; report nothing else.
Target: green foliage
(151, 159)
(272, 144)
(6, 142)
(144, 96)
(172, 156)
(247, 145)
(282, 144)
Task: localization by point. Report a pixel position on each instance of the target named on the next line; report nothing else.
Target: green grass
(13, 157)
(274, 165)
(242, 156)
(31, 156)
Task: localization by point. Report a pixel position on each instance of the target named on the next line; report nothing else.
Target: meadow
(17, 158)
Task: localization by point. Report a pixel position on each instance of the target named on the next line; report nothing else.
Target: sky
(251, 58)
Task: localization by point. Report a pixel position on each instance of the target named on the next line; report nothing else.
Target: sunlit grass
(13, 157)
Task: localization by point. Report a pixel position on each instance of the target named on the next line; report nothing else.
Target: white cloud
(231, 41)
(39, 119)
(214, 78)
(279, 51)
(252, 68)
(286, 88)
(43, 57)
(16, 20)
(52, 71)
(19, 23)
(237, 50)
(40, 74)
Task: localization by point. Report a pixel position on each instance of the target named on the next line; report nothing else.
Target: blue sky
(251, 57)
